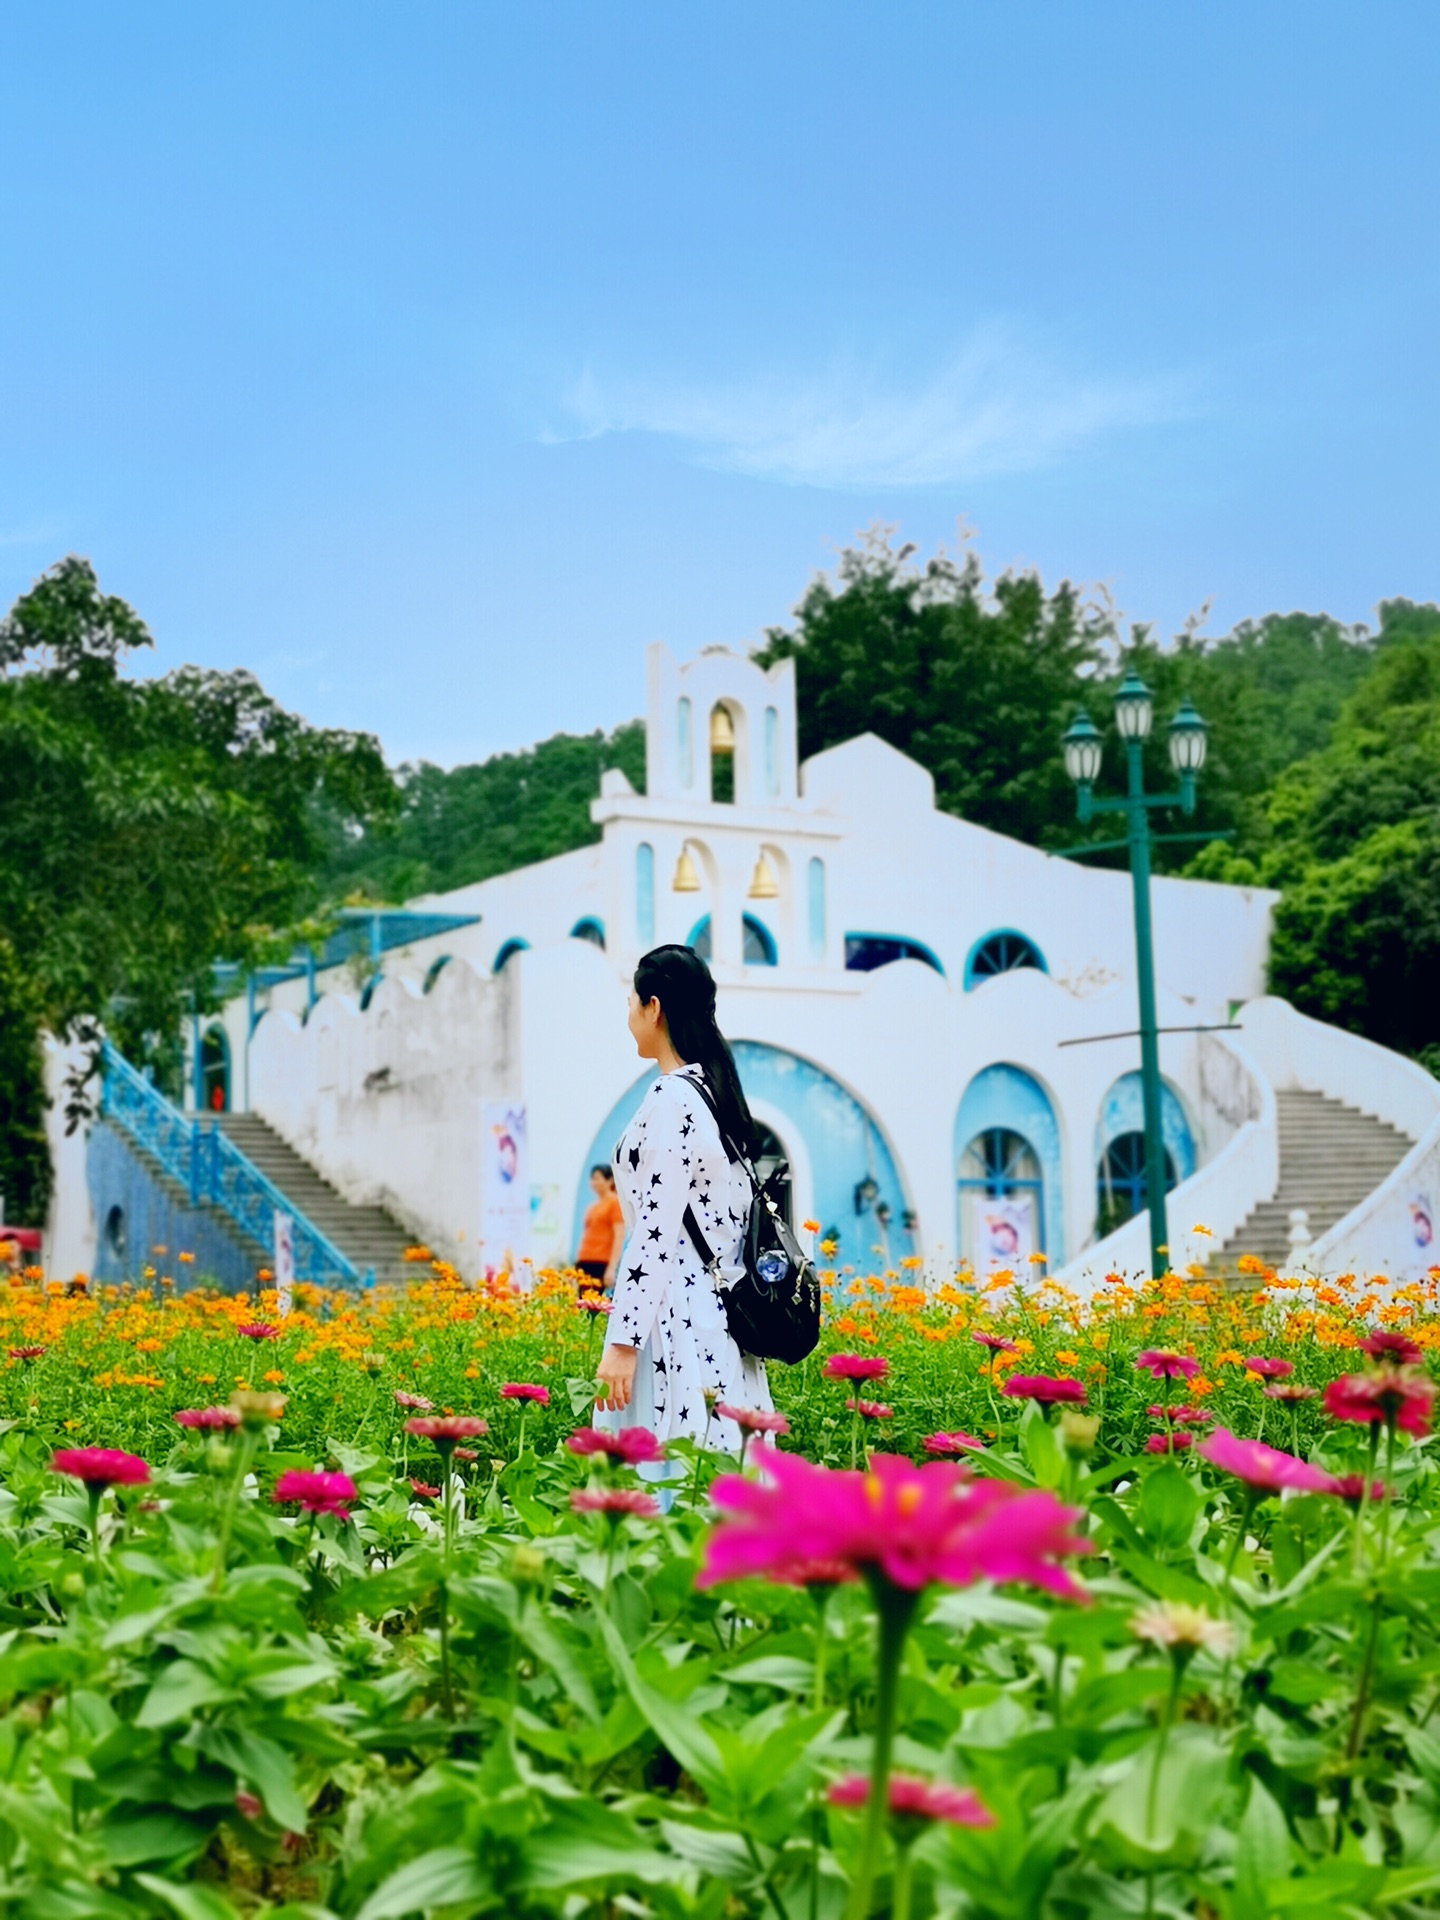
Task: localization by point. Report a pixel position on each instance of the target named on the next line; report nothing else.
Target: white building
(935, 1023)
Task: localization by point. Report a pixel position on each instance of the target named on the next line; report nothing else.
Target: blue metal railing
(214, 1172)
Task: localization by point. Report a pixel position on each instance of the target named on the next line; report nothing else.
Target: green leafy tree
(976, 684)
(149, 828)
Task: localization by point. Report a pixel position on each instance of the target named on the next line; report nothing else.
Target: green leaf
(258, 1763)
(585, 1842)
(133, 1839)
(1262, 1853)
(1041, 1447)
(439, 1878)
(781, 1670)
(190, 1902)
(721, 1855)
(180, 1690)
(1169, 1502)
(676, 1724)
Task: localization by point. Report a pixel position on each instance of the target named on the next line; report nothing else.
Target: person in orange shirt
(604, 1234)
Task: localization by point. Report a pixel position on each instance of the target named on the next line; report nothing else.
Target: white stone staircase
(1331, 1156)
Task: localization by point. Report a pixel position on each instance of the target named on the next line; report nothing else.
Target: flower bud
(528, 1566)
(258, 1410)
(1078, 1431)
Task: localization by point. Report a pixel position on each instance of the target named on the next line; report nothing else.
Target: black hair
(680, 980)
(608, 1172)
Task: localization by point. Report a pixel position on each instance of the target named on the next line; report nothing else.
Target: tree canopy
(148, 827)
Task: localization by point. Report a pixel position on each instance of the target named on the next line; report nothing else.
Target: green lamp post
(1134, 717)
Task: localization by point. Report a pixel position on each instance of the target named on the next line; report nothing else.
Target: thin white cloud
(996, 406)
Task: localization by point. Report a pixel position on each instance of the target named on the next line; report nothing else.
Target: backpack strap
(732, 1152)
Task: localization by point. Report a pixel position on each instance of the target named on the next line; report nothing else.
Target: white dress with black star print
(666, 1304)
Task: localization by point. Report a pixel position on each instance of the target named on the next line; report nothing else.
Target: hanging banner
(504, 1185)
(284, 1261)
(1001, 1232)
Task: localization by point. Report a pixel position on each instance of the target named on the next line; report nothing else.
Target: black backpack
(773, 1309)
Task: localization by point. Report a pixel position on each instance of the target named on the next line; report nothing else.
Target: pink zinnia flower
(953, 1443)
(1290, 1390)
(1183, 1415)
(588, 1304)
(315, 1492)
(916, 1799)
(258, 1330)
(870, 1409)
(1166, 1364)
(633, 1445)
(812, 1573)
(27, 1353)
(908, 1525)
(446, 1428)
(752, 1419)
(1269, 1369)
(1265, 1468)
(1398, 1348)
(209, 1417)
(517, 1390)
(423, 1492)
(101, 1467)
(995, 1342)
(1403, 1395)
(855, 1366)
(416, 1402)
(1169, 1442)
(1044, 1387)
(1350, 1487)
(615, 1500)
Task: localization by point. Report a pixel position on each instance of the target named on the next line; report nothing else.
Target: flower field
(1026, 1608)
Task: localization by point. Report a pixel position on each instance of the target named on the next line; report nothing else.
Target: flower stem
(900, 1891)
(896, 1607)
(1387, 1496)
(1167, 1719)
(244, 1454)
(1363, 1509)
(96, 1493)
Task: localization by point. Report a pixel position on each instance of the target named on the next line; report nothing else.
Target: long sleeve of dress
(656, 1168)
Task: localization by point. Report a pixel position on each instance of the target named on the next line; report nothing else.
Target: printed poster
(504, 1185)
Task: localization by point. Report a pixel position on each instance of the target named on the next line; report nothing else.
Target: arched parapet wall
(844, 1149)
(761, 703)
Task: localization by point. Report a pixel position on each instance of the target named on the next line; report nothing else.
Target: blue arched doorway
(1008, 1170)
(1122, 1188)
(856, 1189)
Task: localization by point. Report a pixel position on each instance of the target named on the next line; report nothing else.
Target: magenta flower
(870, 1409)
(953, 1443)
(753, 1419)
(27, 1354)
(1182, 1416)
(633, 1445)
(616, 1500)
(1265, 1468)
(413, 1402)
(812, 1573)
(446, 1428)
(209, 1418)
(1166, 1364)
(422, 1491)
(101, 1467)
(1350, 1487)
(1269, 1369)
(905, 1524)
(1169, 1442)
(1398, 1348)
(995, 1342)
(258, 1330)
(916, 1799)
(315, 1492)
(1290, 1390)
(855, 1366)
(1044, 1387)
(1399, 1395)
(517, 1390)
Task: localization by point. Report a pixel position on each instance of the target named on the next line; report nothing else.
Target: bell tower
(720, 730)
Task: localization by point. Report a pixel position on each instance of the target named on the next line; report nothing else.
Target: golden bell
(763, 885)
(686, 880)
(722, 730)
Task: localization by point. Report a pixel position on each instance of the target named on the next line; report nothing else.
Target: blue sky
(432, 359)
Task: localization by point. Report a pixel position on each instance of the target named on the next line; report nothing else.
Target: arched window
(1002, 1197)
(722, 754)
(1001, 952)
(758, 943)
(1121, 1187)
(686, 742)
(435, 969)
(507, 953)
(215, 1070)
(645, 894)
(589, 929)
(772, 752)
(864, 952)
(817, 909)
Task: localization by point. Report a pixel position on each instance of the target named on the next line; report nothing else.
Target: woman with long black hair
(669, 1346)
